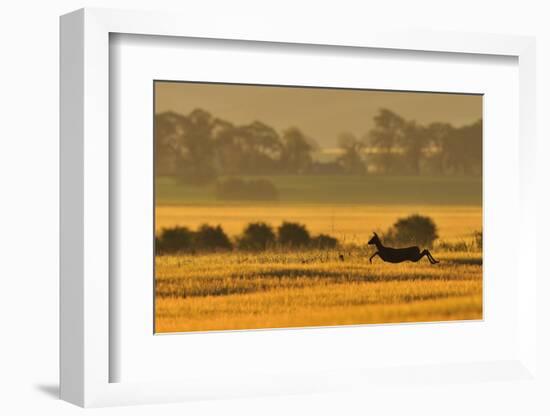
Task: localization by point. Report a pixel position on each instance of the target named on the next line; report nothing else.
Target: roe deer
(398, 255)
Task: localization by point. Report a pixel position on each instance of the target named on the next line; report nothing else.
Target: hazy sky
(320, 113)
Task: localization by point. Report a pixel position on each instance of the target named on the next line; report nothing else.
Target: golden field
(274, 289)
(312, 288)
(350, 223)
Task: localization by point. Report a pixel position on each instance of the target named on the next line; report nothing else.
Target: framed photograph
(258, 227)
(259, 213)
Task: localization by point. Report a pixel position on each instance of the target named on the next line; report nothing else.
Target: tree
(351, 159)
(437, 136)
(174, 239)
(257, 236)
(253, 148)
(414, 230)
(293, 235)
(462, 149)
(168, 130)
(323, 242)
(196, 164)
(385, 138)
(209, 238)
(296, 151)
(229, 152)
(413, 141)
(261, 146)
(473, 147)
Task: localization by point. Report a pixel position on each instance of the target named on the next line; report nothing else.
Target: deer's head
(374, 239)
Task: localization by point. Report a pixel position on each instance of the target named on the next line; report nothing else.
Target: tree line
(198, 147)
(256, 236)
(414, 229)
(402, 145)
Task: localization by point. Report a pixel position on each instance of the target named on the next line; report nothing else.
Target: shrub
(478, 239)
(232, 188)
(323, 242)
(173, 240)
(210, 238)
(253, 190)
(262, 190)
(257, 236)
(293, 235)
(414, 229)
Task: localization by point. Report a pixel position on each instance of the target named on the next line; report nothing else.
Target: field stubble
(298, 289)
(238, 290)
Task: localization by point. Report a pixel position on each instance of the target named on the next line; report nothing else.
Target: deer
(398, 255)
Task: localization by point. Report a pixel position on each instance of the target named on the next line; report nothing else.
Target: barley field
(237, 290)
(278, 289)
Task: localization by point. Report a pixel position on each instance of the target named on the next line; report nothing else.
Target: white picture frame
(86, 356)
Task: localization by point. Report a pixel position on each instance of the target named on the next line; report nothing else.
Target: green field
(348, 207)
(369, 189)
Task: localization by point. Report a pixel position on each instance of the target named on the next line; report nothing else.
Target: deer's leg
(373, 256)
(432, 260)
(417, 256)
(427, 254)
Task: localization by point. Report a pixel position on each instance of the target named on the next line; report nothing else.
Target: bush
(257, 236)
(415, 229)
(478, 239)
(323, 242)
(253, 190)
(262, 190)
(210, 238)
(174, 239)
(293, 235)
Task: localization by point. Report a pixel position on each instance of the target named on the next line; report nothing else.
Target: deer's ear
(376, 235)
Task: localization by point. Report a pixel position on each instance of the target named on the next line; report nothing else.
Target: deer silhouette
(398, 255)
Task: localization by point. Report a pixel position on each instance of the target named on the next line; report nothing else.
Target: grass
(299, 289)
(273, 289)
